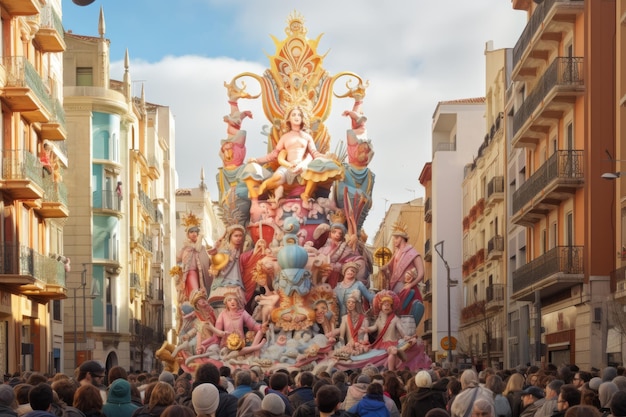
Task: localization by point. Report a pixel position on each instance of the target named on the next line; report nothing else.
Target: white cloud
(414, 53)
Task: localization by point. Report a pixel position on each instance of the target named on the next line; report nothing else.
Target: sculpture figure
(193, 257)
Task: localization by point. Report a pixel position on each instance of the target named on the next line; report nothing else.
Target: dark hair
(570, 394)
(40, 397)
(21, 393)
(36, 378)
(375, 389)
(319, 384)
(437, 412)
(279, 380)
(307, 379)
(454, 386)
(207, 372)
(177, 410)
(494, 383)
(225, 371)
(327, 398)
(243, 377)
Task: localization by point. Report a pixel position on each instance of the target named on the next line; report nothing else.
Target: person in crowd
(501, 403)
(160, 398)
(118, 402)
(310, 408)
(205, 399)
(393, 388)
(21, 395)
(453, 389)
(209, 373)
(483, 408)
(339, 380)
(279, 385)
(605, 392)
(471, 391)
(581, 378)
(513, 392)
(243, 384)
(328, 400)
(40, 398)
(249, 404)
(304, 390)
(167, 377)
(272, 405)
(91, 372)
(422, 400)
(552, 394)
(569, 396)
(372, 404)
(582, 411)
(177, 410)
(618, 404)
(88, 399)
(532, 399)
(182, 390)
(7, 401)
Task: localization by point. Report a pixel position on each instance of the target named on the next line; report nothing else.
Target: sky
(414, 53)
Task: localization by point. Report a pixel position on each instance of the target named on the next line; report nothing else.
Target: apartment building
(34, 195)
(121, 195)
(457, 131)
(482, 329)
(562, 118)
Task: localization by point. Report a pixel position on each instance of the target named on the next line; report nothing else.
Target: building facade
(34, 195)
(564, 121)
(482, 329)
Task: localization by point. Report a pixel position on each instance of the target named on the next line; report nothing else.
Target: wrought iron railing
(106, 199)
(562, 72)
(496, 243)
(534, 23)
(495, 185)
(54, 192)
(25, 261)
(21, 165)
(561, 259)
(21, 73)
(495, 292)
(562, 165)
(147, 203)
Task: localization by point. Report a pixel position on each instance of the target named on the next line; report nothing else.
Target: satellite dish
(83, 2)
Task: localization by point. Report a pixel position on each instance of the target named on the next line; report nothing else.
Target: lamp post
(449, 284)
(83, 285)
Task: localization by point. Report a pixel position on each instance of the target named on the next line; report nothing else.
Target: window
(56, 310)
(84, 76)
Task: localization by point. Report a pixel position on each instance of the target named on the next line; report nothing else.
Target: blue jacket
(370, 406)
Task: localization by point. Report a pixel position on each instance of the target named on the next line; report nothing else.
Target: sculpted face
(295, 118)
(386, 307)
(336, 234)
(236, 238)
(193, 235)
(349, 274)
(351, 304)
(320, 312)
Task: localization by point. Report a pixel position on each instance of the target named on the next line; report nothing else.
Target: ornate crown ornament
(400, 229)
(190, 220)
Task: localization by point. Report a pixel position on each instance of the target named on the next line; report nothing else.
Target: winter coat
(118, 402)
(418, 403)
(371, 406)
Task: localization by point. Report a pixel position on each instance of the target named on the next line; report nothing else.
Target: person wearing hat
(350, 286)
(91, 372)
(356, 391)
(193, 257)
(7, 401)
(532, 399)
(418, 402)
(118, 402)
(271, 406)
(618, 404)
(405, 270)
(205, 399)
(168, 377)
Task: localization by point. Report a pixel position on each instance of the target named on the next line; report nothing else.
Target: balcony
(548, 25)
(495, 344)
(555, 181)
(153, 166)
(495, 297)
(428, 251)
(22, 175)
(54, 204)
(495, 248)
(473, 312)
(557, 270)
(495, 190)
(618, 284)
(554, 94)
(428, 211)
(135, 286)
(49, 36)
(25, 92)
(141, 239)
(147, 204)
(107, 200)
(31, 273)
(428, 326)
(21, 7)
(54, 129)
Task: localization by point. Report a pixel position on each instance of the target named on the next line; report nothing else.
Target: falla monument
(290, 283)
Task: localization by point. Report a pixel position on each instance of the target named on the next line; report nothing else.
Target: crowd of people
(565, 391)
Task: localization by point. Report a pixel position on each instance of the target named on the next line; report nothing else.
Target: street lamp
(83, 285)
(449, 284)
(612, 175)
